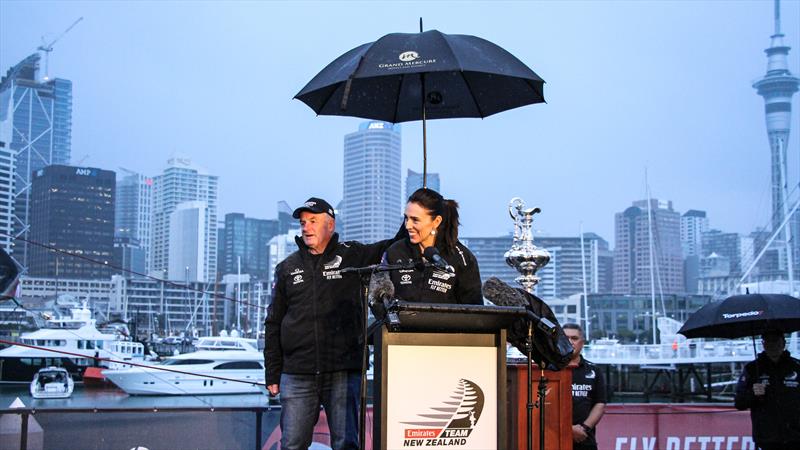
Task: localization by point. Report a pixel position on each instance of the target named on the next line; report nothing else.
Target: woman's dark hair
(447, 232)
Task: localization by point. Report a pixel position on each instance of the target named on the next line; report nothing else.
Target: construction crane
(47, 48)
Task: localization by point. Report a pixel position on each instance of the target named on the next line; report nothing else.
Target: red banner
(674, 427)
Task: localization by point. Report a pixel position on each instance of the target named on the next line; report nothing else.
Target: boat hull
(154, 382)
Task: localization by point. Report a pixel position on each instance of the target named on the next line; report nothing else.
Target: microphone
(381, 291)
(432, 255)
(502, 294)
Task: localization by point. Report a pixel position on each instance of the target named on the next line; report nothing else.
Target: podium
(558, 407)
(440, 376)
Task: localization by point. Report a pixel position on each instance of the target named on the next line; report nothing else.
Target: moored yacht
(221, 365)
(76, 334)
(52, 382)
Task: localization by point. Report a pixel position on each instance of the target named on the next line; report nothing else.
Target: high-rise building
(693, 224)
(414, 181)
(738, 249)
(371, 205)
(632, 256)
(182, 182)
(280, 247)
(247, 243)
(285, 219)
(563, 276)
(134, 213)
(40, 115)
(188, 237)
(72, 209)
(7, 171)
(129, 257)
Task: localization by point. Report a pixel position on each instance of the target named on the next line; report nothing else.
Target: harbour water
(108, 418)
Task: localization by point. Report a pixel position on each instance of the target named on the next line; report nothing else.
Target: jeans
(301, 397)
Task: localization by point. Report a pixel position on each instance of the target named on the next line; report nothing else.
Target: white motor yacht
(221, 365)
(76, 334)
(52, 382)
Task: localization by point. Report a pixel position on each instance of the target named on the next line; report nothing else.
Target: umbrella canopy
(744, 315)
(456, 75)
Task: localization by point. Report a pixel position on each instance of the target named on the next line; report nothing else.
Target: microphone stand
(547, 326)
(365, 273)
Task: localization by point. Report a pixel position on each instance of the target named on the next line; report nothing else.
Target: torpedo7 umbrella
(744, 315)
(456, 75)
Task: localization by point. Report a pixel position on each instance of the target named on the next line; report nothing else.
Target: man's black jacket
(433, 285)
(775, 415)
(314, 322)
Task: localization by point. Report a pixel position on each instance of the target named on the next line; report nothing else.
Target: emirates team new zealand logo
(450, 422)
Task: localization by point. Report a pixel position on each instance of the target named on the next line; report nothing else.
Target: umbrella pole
(424, 132)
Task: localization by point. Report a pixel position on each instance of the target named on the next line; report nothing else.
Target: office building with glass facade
(371, 207)
(40, 114)
(72, 209)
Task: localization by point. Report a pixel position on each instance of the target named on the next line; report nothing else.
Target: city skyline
(687, 111)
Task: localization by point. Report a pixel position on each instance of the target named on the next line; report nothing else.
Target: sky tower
(777, 88)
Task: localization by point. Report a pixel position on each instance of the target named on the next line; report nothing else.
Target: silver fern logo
(449, 422)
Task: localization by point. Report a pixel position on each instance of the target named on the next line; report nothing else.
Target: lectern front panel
(441, 390)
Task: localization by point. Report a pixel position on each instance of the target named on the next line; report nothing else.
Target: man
(588, 392)
(769, 388)
(314, 339)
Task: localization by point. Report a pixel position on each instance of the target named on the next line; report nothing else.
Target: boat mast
(585, 296)
(652, 256)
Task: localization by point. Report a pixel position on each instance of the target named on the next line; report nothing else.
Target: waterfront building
(40, 112)
(563, 276)
(182, 181)
(72, 209)
(371, 206)
(629, 317)
(632, 255)
(246, 243)
(134, 213)
(94, 291)
(414, 181)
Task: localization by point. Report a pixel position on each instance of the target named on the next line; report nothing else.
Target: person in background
(588, 392)
(432, 225)
(768, 387)
(314, 331)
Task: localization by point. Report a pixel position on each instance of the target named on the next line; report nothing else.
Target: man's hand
(274, 389)
(759, 389)
(578, 433)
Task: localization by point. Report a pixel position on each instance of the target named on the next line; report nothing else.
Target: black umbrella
(457, 75)
(744, 315)
(9, 276)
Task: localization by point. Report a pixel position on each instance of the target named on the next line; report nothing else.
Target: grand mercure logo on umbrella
(450, 422)
(408, 59)
(408, 56)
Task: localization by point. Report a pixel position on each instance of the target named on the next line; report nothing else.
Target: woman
(432, 222)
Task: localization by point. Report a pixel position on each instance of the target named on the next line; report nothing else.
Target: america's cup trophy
(524, 256)
(528, 259)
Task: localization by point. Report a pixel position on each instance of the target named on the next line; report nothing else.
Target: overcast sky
(657, 85)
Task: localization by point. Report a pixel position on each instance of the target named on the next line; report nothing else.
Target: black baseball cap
(316, 206)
